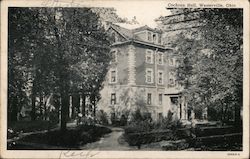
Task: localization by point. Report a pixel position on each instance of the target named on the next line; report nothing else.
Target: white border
(119, 154)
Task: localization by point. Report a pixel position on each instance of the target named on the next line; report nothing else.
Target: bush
(28, 126)
(142, 130)
(72, 138)
(140, 126)
(102, 117)
(123, 120)
(114, 119)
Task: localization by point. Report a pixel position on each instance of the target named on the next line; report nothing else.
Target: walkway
(112, 141)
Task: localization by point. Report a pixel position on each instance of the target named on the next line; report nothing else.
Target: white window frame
(156, 38)
(110, 75)
(149, 53)
(114, 51)
(160, 56)
(172, 76)
(152, 75)
(170, 63)
(162, 77)
(115, 99)
(151, 36)
(151, 99)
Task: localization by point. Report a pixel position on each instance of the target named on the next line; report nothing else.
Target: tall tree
(62, 49)
(211, 63)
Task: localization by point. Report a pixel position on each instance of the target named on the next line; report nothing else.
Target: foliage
(211, 66)
(72, 138)
(142, 130)
(54, 50)
(15, 128)
(102, 117)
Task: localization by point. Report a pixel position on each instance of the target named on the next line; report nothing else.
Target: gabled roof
(129, 33)
(126, 33)
(145, 27)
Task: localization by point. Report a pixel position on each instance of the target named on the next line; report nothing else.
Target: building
(185, 22)
(141, 75)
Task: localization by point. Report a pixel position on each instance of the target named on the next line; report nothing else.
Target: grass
(27, 126)
(70, 139)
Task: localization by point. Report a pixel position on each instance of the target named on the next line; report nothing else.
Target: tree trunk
(64, 110)
(74, 105)
(237, 115)
(93, 103)
(33, 108)
(14, 110)
(41, 105)
(83, 104)
(78, 102)
(57, 106)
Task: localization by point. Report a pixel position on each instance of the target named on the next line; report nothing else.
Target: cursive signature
(81, 154)
(60, 3)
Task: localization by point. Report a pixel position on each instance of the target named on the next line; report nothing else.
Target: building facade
(141, 75)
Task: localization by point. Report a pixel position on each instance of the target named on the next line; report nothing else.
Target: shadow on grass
(70, 139)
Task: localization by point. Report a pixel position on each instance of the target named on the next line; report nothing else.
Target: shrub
(114, 119)
(140, 126)
(123, 120)
(102, 117)
(72, 138)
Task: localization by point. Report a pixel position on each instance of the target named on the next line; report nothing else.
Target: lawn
(27, 126)
(70, 139)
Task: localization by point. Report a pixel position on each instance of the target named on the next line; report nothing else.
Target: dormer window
(154, 38)
(159, 38)
(149, 36)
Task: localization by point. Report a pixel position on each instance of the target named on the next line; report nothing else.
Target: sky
(144, 11)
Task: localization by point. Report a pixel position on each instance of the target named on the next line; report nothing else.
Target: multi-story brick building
(141, 75)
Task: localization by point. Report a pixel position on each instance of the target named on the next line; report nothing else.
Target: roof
(129, 33)
(145, 27)
(173, 91)
(126, 33)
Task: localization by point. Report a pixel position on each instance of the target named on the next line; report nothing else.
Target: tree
(211, 64)
(62, 49)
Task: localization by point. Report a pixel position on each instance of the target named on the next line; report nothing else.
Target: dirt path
(111, 141)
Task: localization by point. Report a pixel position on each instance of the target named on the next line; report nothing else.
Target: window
(171, 62)
(113, 99)
(160, 77)
(174, 100)
(160, 58)
(159, 38)
(149, 56)
(113, 76)
(149, 36)
(154, 38)
(114, 55)
(160, 99)
(172, 78)
(149, 75)
(149, 99)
